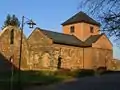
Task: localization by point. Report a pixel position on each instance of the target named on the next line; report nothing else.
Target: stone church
(79, 46)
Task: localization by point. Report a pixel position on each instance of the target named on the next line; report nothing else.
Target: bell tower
(81, 25)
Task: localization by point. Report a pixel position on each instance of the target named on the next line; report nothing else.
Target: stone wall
(45, 55)
(116, 64)
(71, 57)
(9, 50)
(39, 52)
(102, 58)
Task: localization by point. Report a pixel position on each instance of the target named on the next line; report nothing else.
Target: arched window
(72, 29)
(91, 29)
(12, 36)
(59, 62)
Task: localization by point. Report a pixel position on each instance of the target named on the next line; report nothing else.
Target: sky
(47, 14)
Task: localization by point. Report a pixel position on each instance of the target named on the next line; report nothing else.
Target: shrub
(75, 73)
(85, 72)
(66, 72)
(100, 70)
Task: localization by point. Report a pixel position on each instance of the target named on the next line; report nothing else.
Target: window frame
(91, 29)
(72, 29)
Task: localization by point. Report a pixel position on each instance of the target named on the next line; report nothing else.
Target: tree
(11, 20)
(111, 24)
(109, 14)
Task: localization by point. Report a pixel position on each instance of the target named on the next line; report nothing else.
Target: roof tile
(61, 38)
(66, 39)
(80, 17)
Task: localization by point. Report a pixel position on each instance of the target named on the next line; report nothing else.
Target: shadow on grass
(5, 72)
(28, 78)
(40, 77)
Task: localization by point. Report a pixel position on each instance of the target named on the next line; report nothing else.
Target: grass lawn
(30, 78)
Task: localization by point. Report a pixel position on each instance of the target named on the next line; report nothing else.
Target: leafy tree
(11, 20)
(109, 14)
(7, 22)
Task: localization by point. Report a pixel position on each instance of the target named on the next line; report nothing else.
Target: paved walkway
(106, 82)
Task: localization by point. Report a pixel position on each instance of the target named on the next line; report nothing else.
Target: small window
(91, 29)
(59, 62)
(12, 36)
(72, 29)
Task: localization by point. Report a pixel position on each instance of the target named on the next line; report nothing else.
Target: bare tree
(100, 6)
(108, 12)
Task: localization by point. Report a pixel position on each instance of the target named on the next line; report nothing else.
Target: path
(106, 82)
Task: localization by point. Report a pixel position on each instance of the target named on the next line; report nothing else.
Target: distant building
(80, 46)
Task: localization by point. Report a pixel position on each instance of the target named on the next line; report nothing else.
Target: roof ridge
(97, 35)
(80, 17)
(90, 38)
(54, 32)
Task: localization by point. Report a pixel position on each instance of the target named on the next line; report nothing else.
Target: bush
(75, 73)
(65, 72)
(86, 72)
(100, 70)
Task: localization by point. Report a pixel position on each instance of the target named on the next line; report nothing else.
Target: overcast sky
(47, 14)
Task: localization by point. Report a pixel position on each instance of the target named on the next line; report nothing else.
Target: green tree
(11, 20)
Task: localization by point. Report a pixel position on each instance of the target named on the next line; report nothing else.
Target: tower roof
(81, 17)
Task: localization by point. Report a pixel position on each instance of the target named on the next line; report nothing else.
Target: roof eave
(73, 44)
(97, 24)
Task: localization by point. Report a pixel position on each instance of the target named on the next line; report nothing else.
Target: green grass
(30, 78)
(40, 77)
